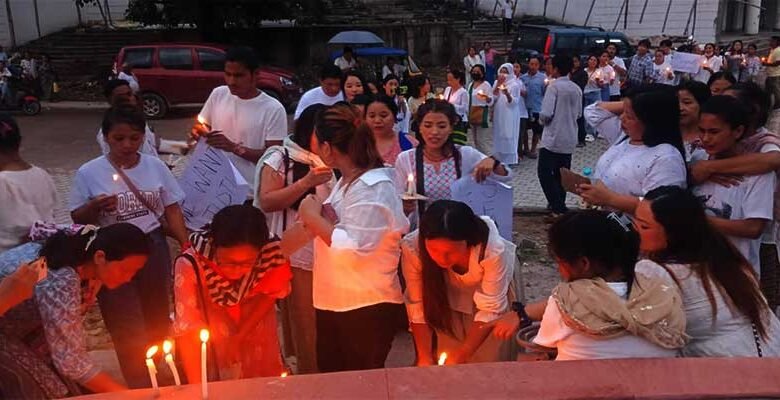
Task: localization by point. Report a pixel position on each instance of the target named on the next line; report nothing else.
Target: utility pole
(10, 16)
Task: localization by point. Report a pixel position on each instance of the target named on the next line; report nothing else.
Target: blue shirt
(534, 85)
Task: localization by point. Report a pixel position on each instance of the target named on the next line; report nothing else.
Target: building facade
(706, 20)
(24, 20)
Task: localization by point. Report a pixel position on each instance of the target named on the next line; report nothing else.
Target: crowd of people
(22, 71)
(675, 254)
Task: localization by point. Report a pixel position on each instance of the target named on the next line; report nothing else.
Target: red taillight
(548, 45)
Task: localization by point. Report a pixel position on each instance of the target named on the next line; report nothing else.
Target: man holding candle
(641, 69)
(619, 75)
(248, 120)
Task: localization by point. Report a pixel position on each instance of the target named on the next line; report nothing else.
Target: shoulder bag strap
(133, 188)
(419, 170)
(286, 162)
(471, 90)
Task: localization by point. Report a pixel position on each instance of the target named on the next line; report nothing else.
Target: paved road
(61, 140)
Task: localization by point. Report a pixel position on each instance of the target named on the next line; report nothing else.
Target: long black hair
(603, 238)
(452, 220)
(117, 241)
(658, 108)
(692, 240)
(304, 129)
(755, 98)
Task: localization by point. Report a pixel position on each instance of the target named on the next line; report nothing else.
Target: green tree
(213, 17)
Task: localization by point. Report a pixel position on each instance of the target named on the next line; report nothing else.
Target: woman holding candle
(286, 175)
(752, 65)
(438, 162)
(143, 192)
(480, 99)
(662, 70)
(710, 64)
(735, 60)
(381, 116)
(606, 75)
(357, 233)
(229, 281)
(458, 271)
(646, 148)
(509, 110)
(79, 260)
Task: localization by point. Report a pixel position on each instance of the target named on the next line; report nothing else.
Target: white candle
(442, 358)
(204, 338)
(411, 189)
(167, 346)
(151, 367)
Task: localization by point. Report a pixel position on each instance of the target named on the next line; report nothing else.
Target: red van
(171, 74)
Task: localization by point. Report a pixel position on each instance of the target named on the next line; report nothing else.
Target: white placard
(686, 62)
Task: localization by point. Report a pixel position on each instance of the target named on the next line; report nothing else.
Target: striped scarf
(225, 292)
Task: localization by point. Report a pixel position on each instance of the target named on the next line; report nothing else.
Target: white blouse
(459, 99)
(487, 90)
(359, 268)
(631, 169)
(482, 291)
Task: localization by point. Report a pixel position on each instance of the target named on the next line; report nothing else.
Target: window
(594, 44)
(211, 60)
(139, 58)
(568, 44)
(176, 58)
(531, 39)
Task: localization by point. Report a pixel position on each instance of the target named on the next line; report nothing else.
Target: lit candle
(546, 81)
(151, 367)
(204, 338)
(410, 186)
(442, 358)
(441, 97)
(284, 374)
(502, 87)
(115, 180)
(167, 346)
(480, 92)
(203, 121)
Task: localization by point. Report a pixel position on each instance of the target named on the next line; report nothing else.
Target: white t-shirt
(249, 122)
(25, 197)
(316, 96)
(574, 345)
(614, 89)
(152, 178)
(753, 198)
(486, 89)
(460, 100)
(344, 65)
(631, 169)
(130, 80)
(149, 145)
(715, 63)
(661, 75)
(360, 267)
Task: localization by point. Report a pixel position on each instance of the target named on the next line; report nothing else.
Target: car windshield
(531, 39)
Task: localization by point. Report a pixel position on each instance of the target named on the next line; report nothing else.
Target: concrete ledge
(661, 379)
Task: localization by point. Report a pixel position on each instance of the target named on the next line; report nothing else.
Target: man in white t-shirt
(118, 92)
(347, 60)
(240, 119)
(328, 93)
(620, 72)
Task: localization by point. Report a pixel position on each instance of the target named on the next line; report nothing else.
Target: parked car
(171, 74)
(549, 40)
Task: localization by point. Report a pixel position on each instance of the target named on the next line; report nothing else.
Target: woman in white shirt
(127, 186)
(480, 99)
(458, 271)
(471, 60)
(606, 77)
(285, 174)
(602, 309)
(692, 94)
(437, 162)
(710, 64)
(391, 84)
(662, 70)
(647, 155)
(456, 95)
(726, 314)
(27, 193)
(592, 91)
(357, 233)
(509, 110)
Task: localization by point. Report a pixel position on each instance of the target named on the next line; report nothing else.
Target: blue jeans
(137, 314)
(590, 98)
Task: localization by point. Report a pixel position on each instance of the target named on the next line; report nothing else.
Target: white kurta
(506, 123)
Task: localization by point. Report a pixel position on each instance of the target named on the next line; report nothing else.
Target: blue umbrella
(356, 37)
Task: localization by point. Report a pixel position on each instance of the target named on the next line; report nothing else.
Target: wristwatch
(519, 308)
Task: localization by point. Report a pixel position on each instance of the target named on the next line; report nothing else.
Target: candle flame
(167, 346)
(201, 120)
(115, 177)
(284, 374)
(204, 335)
(152, 351)
(410, 178)
(442, 358)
